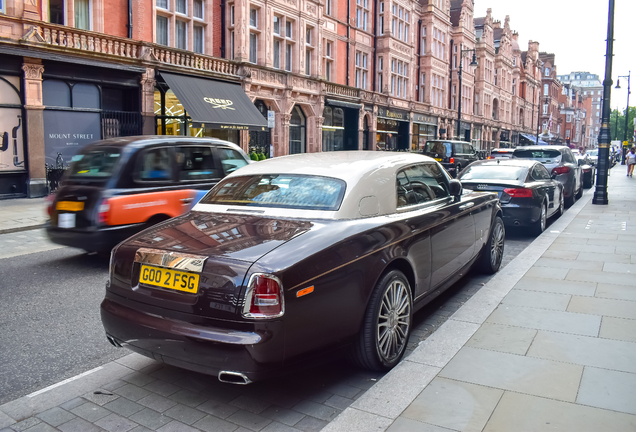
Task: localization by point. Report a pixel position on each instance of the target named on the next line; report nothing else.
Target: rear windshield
(493, 172)
(537, 154)
(279, 190)
(440, 148)
(593, 152)
(98, 163)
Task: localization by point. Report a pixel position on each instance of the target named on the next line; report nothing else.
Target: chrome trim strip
(244, 377)
(174, 260)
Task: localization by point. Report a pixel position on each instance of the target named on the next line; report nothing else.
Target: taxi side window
(196, 163)
(419, 184)
(154, 165)
(231, 160)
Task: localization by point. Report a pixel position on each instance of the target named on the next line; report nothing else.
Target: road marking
(66, 381)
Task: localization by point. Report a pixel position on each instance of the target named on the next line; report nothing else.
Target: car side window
(154, 165)
(196, 163)
(459, 148)
(419, 184)
(567, 156)
(543, 172)
(231, 160)
(468, 149)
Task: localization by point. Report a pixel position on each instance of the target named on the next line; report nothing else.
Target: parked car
(561, 165)
(453, 155)
(526, 191)
(592, 156)
(117, 187)
(500, 153)
(299, 256)
(588, 172)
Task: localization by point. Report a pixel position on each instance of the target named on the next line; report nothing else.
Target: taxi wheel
(386, 328)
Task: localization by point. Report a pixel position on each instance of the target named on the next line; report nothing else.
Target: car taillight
(264, 297)
(519, 192)
(560, 170)
(50, 200)
(491, 157)
(103, 211)
(452, 160)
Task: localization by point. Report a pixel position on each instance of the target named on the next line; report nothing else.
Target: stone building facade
(329, 75)
(592, 89)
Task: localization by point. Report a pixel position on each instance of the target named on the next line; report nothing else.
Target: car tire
(561, 208)
(569, 201)
(390, 309)
(539, 226)
(579, 194)
(492, 253)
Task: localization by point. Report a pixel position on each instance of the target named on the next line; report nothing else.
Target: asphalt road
(50, 327)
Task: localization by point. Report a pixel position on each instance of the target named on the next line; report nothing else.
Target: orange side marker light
(305, 291)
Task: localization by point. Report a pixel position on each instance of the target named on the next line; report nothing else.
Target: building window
(546, 90)
(545, 108)
(180, 6)
(198, 10)
(232, 46)
(297, 131)
(82, 14)
(547, 72)
(329, 5)
(308, 36)
(232, 15)
(162, 30)
(162, 4)
(439, 43)
(496, 75)
(453, 97)
(254, 17)
(399, 23)
(328, 60)
(399, 78)
(56, 11)
(514, 86)
(253, 44)
(288, 29)
(308, 50)
(180, 34)
(568, 118)
(488, 71)
(307, 62)
(277, 21)
(288, 57)
(437, 90)
(197, 43)
(2, 6)
(423, 41)
(422, 87)
(361, 70)
(362, 14)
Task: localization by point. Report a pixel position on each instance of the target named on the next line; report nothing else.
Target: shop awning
(533, 139)
(216, 104)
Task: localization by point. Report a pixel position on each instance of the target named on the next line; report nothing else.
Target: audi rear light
(264, 297)
(560, 170)
(452, 160)
(103, 212)
(491, 157)
(519, 192)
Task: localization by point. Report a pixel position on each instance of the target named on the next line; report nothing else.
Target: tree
(620, 117)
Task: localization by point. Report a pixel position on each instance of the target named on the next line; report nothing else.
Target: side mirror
(455, 188)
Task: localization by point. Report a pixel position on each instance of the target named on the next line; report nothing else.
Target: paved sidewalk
(22, 214)
(549, 344)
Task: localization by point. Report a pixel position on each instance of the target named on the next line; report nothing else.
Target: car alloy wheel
(539, 226)
(394, 321)
(497, 245)
(561, 206)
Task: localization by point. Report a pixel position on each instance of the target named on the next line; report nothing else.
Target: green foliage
(253, 156)
(261, 156)
(621, 124)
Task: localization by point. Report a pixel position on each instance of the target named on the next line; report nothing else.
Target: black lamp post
(604, 138)
(618, 85)
(459, 74)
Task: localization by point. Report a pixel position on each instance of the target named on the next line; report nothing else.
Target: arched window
(297, 131)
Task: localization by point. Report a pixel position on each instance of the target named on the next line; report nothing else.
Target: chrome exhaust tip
(230, 377)
(114, 342)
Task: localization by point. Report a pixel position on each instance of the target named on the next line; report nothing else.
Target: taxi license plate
(438, 159)
(70, 205)
(170, 279)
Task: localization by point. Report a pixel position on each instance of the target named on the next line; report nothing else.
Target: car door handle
(187, 200)
(466, 206)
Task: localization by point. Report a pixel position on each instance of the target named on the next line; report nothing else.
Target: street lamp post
(604, 138)
(459, 74)
(618, 85)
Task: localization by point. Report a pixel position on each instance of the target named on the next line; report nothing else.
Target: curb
(22, 228)
(383, 403)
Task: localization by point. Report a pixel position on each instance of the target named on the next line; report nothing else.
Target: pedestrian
(630, 159)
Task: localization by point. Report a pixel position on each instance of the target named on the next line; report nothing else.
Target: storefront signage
(67, 132)
(393, 114)
(424, 119)
(271, 119)
(219, 103)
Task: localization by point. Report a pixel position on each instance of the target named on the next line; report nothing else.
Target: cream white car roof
(369, 175)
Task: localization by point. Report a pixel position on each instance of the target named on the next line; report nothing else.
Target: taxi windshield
(97, 163)
(288, 191)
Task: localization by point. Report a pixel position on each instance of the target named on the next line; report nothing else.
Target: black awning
(217, 104)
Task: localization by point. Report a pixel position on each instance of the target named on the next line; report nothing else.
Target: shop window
(196, 163)
(85, 96)
(297, 131)
(162, 30)
(82, 14)
(333, 129)
(56, 93)
(56, 12)
(154, 165)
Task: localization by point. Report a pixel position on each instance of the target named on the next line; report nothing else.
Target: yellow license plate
(438, 159)
(170, 279)
(70, 205)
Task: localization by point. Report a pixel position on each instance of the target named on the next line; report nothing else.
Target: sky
(576, 31)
